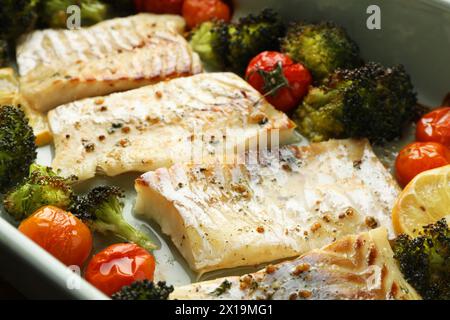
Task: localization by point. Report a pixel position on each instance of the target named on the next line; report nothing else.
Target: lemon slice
(9, 94)
(425, 200)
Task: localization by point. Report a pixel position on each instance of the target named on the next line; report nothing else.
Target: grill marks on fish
(354, 267)
(287, 203)
(158, 125)
(59, 66)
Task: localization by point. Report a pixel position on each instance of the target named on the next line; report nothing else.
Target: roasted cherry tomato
(119, 265)
(198, 11)
(435, 126)
(159, 6)
(60, 233)
(418, 157)
(283, 82)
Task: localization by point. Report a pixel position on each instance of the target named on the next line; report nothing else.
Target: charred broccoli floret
(251, 35)
(209, 40)
(101, 209)
(144, 290)
(17, 17)
(54, 12)
(322, 48)
(42, 187)
(425, 260)
(232, 45)
(371, 102)
(17, 147)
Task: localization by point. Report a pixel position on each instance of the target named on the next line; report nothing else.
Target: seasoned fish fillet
(354, 267)
(59, 66)
(158, 125)
(289, 202)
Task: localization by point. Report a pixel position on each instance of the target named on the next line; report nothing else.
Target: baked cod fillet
(59, 66)
(354, 267)
(289, 202)
(158, 125)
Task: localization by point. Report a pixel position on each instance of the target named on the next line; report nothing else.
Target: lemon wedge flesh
(10, 95)
(425, 200)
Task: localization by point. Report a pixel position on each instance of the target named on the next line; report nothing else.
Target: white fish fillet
(59, 66)
(354, 267)
(224, 216)
(158, 125)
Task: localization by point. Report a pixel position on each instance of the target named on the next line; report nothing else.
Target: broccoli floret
(17, 17)
(42, 187)
(251, 35)
(144, 290)
(231, 46)
(101, 209)
(371, 102)
(209, 40)
(425, 260)
(121, 7)
(54, 12)
(322, 48)
(17, 147)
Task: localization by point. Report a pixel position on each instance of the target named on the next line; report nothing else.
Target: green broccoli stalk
(371, 102)
(101, 209)
(144, 290)
(209, 41)
(425, 260)
(54, 12)
(322, 48)
(17, 147)
(231, 46)
(43, 187)
(17, 17)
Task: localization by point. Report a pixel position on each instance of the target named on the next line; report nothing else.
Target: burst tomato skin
(60, 233)
(435, 126)
(197, 11)
(119, 265)
(159, 6)
(418, 157)
(283, 82)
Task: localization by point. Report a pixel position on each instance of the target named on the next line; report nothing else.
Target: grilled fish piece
(283, 205)
(354, 267)
(59, 66)
(158, 125)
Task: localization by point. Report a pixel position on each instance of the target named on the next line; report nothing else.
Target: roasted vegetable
(371, 101)
(17, 17)
(425, 260)
(102, 209)
(252, 35)
(42, 187)
(232, 46)
(144, 290)
(322, 48)
(17, 147)
(54, 12)
(209, 40)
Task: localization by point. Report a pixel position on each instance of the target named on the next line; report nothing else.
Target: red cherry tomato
(198, 11)
(283, 82)
(119, 265)
(418, 157)
(435, 126)
(60, 233)
(159, 6)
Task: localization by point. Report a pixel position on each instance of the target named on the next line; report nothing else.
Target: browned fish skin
(355, 267)
(59, 66)
(224, 216)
